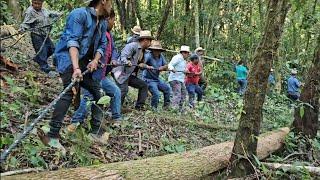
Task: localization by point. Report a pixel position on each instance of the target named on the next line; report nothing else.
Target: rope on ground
(26, 132)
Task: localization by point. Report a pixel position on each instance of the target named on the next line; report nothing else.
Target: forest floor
(25, 92)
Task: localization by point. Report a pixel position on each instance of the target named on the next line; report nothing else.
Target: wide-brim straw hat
(145, 35)
(136, 30)
(185, 49)
(156, 45)
(199, 49)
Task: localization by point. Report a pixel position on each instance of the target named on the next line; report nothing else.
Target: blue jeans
(242, 86)
(45, 53)
(155, 87)
(194, 89)
(111, 90)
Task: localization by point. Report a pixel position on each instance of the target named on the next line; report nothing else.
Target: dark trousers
(46, 51)
(63, 104)
(137, 83)
(203, 83)
(293, 97)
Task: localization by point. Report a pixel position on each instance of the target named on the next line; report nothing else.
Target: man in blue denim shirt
(109, 87)
(156, 59)
(82, 40)
(293, 86)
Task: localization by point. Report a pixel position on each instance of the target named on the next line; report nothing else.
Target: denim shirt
(131, 52)
(80, 33)
(150, 60)
(293, 86)
(178, 63)
(34, 19)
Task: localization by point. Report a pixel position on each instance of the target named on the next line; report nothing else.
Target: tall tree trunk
(122, 13)
(165, 16)
(136, 11)
(306, 118)
(186, 9)
(196, 22)
(245, 145)
(15, 8)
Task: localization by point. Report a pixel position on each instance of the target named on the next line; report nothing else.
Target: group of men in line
(87, 44)
(293, 84)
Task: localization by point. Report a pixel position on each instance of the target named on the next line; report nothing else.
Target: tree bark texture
(189, 165)
(196, 22)
(306, 118)
(15, 8)
(187, 11)
(122, 13)
(251, 117)
(164, 19)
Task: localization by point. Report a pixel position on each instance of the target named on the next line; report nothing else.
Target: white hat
(294, 71)
(271, 70)
(185, 49)
(199, 49)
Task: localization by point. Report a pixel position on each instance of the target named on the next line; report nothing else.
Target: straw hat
(136, 30)
(155, 45)
(199, 49)
(145, 35)
(294, 71)
(185, 49)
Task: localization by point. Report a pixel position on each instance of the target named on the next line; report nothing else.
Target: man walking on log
(36, 16)
(82, 40)
(155, 58)
(132, 57)
(176, 79)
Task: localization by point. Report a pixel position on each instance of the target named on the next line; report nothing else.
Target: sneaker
(53, 74)
(101, 139)
(72, 127)
(116, 122)
(55, 143)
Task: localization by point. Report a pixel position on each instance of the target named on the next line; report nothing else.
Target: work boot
(116, 122)
(101, 139)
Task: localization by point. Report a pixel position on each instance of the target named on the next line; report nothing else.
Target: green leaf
(180, 148)
(104, 100)
(169, 149)
(301, 111)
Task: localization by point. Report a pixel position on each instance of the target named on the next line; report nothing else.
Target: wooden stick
(21, 171)
(311, 169)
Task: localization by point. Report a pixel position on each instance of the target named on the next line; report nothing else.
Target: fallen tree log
(189, 165)
(289, 167)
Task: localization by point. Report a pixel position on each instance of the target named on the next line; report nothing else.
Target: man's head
(111, 18)
(294, 72)
(185, 51)
(156, 48)
(200, 51)
(103, 7)
(145, 39)
(37, 4)
(194, 58)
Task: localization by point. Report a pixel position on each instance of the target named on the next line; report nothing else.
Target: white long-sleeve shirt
(179, 64)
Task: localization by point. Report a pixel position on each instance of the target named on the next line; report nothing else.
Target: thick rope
(26, 132)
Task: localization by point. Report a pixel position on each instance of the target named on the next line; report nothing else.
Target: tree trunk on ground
(189, 165)
(196, 21)
(249, 127)
(165, 16)
(306, 118)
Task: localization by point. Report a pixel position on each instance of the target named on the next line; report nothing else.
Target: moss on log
(189, 165)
